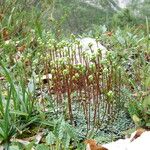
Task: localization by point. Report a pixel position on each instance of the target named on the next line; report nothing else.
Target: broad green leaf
(136, 119)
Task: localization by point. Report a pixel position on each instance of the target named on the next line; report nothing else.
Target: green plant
(41, 81)
(140, 112)
(63, 135)
(7, 129)
(139, 108)
(123, 18)
(16, 109)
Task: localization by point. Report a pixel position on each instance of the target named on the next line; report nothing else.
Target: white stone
(142, 142)
(87, 47)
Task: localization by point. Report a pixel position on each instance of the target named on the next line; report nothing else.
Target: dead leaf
(109, 33)
(138, 133)
(21, 48)
(5, 34)
(92, 145)
(2, 78)
(24, 142)
(38, 137)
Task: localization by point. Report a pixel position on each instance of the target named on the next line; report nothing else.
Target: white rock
(95, 46)
(142, 142)
(90, 47)
(117, 145)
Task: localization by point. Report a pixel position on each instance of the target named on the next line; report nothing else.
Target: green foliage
(42, 147)
(37, 87)
(62, 135)
(16, 109)
(123, 18)
(7, 129)
(140, 9)
(140, 109)
(140, 112)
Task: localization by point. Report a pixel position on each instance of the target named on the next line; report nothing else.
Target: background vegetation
(48, 102)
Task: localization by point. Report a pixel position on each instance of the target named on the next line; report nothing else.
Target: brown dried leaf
(5, 34)
(92, 145)
(109, 33)
(21, 48)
